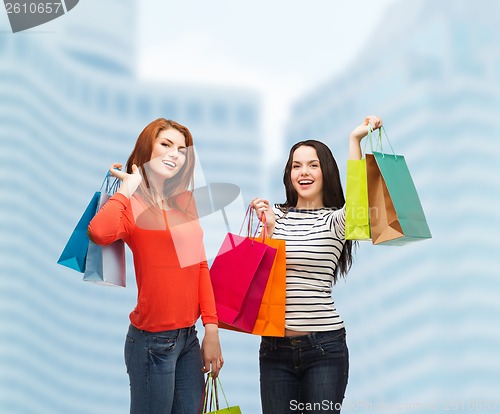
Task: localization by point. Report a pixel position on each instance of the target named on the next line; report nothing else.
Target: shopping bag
(396, 215)
(357, 222)
(384, 224)
(239, 275)
(105, 265)
(74, 253)
(271, 317)
(210, 398)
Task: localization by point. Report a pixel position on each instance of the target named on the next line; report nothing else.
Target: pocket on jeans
(161, 345)
(334, 346)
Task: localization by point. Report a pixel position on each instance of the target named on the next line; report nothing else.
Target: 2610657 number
(33, 8)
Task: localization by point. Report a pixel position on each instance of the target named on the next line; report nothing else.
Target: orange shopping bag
(271, 317)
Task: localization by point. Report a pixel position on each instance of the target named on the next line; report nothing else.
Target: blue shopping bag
(74, 254)
(75, 251)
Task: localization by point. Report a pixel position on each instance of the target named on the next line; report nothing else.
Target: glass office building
(422, 319)
(71, 104)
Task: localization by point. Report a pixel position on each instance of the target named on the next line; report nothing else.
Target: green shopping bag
(396, 215)
(357, 221)
(210, 399)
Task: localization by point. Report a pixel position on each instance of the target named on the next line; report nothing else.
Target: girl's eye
(165, 144)
(295, 167)
(183, 151)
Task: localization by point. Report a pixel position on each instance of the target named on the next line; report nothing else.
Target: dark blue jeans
(304, 374)
(164, 370)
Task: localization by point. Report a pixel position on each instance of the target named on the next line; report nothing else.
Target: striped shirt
(314, 242)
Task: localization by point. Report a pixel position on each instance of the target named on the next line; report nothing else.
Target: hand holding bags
(271, 317)
(239, 275)
(396, 215)
(105, 265)
(210, 399)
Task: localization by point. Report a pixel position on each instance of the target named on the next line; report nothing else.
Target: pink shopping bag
(239, 274)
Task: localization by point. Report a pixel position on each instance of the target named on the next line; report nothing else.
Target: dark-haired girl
(307, 370)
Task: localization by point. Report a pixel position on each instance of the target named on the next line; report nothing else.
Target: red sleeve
(207, 299)
(112, 221)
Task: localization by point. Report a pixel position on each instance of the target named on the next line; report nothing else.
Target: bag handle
(207, 397)
(210, 396)
(379, 141)
(249, 217)
(108, 185)
(264, 227)
(263, 219)
(369, 138)
(212, 386)
(215, 393)
(222, 389)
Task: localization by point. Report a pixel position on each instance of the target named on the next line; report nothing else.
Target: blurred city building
(71, 104)
(421, 318)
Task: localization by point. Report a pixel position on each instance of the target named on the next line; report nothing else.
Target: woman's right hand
(362, 130)
(359, 133)
(262, 206)
(130, 182)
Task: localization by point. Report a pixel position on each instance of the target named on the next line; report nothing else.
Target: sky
(279, 48)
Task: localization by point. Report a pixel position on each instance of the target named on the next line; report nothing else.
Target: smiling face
(307, 178)
(168, 154)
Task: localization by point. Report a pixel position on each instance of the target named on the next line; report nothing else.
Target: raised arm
(111, 221)
(359, 133)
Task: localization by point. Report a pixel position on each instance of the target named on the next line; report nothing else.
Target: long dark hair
(333, 194)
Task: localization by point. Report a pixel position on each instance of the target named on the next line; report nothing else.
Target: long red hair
(144, 148)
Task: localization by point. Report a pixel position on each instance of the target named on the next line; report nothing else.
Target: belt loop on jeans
(313, 339)
(185, 331)
(274, 342)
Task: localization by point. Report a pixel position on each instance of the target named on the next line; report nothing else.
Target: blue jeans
(303, 374)
(164, 370)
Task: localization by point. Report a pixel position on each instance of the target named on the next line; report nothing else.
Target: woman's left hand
(262, 206)
(211, 352)
(361, 131)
